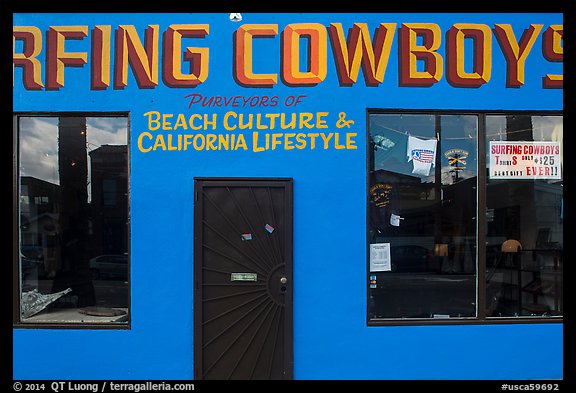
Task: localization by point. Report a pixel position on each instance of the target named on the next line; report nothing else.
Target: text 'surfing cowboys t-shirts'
(422, 153)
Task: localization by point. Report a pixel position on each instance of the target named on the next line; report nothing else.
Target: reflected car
(412, 259)
(109, 266)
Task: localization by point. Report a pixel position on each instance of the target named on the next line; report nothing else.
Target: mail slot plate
(243, 277)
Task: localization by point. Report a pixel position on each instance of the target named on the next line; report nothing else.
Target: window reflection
(525, 280)
(422, 207)
(73, 219)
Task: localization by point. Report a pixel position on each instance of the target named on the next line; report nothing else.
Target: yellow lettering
(171, 146)
(313, 137)
(337, 145)
(159, 143)
(226, 125)
(140, 145)
(193, 126)
(316, 69)
(208, 122)
(326, 139)
(320, 120)
(143, 58)
(301, 139)
(165, 124)
(202, 139)
(272, 117)
(241, 142)
(276, 140)
(305, 117)
(224, 141)
(181, 122)
(243, 58)
(288, 141)
(197, 57)
(411, 53)
(255, 146)
(515, 52)
(350, 142)
(258, 125)
(292, 123)
(153, 118)
(243, 125)
(210, 142)
(187, 141)
(32, 68)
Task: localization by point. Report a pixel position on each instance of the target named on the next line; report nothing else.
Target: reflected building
(109, 187)
(39, 215)
(65, 225)
(74, 216)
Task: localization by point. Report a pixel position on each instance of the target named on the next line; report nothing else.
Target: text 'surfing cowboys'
(108, 52)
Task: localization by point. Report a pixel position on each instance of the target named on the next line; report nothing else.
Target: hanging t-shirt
(422, 153)
(384, 195)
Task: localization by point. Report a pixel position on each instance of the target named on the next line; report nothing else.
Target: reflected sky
(38, 141)
(543, 127)
(392, 131)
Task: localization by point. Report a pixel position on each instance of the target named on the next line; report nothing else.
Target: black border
(456, 385)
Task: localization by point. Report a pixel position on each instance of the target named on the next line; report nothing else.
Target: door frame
(199, 184)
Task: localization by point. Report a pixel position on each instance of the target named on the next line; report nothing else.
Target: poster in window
(524, 160)
(380, 257)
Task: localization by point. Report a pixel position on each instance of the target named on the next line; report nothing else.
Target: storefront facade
(288, 196)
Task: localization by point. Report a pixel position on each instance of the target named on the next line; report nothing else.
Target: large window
(72, 245)
(431, 254)
(524, 216)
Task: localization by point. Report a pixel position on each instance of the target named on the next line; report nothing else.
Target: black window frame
(481, 187)
(16, 282)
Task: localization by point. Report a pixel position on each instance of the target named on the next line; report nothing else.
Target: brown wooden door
(243, 279)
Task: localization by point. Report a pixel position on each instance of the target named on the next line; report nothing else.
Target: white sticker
(235, 17)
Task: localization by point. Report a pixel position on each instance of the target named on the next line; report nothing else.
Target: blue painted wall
(331, 339)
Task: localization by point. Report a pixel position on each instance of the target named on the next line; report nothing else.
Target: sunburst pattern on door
(243, 280)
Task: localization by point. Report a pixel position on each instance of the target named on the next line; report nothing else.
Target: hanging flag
(246, 236)
(269, 228)
(422, 153)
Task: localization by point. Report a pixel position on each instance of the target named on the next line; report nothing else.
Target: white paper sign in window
(380, 257)
(524, 160)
